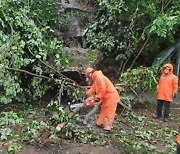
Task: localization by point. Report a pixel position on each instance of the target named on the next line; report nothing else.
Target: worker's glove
(174, 96)
(97, 99)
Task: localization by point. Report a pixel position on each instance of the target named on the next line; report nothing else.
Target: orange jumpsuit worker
(166, 92)
(178, 142)
(107, 93)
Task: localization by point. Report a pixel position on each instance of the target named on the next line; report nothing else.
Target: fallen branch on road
(70, 115)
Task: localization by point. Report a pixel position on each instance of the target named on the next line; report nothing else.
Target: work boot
(156, 117)
(106, 131)
(165, 119)
(99, 126)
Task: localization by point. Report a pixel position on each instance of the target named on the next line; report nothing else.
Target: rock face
(79, 60)
(80, 15)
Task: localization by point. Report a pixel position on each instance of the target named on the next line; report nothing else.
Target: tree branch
(166, 5)
(60, 92)
(130, 28)
(45, 63)
(140, 51)
(60, 74)
(27, 72)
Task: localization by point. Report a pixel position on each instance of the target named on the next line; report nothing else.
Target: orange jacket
(178, 139)
(168, 85)
(103, 87)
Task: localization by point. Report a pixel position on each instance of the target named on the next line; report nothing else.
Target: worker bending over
(107, 93)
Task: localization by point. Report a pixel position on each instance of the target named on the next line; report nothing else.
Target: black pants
(178, 148)
(160, 105)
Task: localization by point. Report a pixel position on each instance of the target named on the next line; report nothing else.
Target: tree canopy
(30, 52)
(128, 30)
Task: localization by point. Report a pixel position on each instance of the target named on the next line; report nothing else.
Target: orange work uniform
(109, 96)
(178, 139)
(178, 144)
(168, 85)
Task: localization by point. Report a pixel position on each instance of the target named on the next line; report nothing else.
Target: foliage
(14, 148)
(140, 79)
(165, 24)
(84, 135)
(26, 43)
(5, 132)
(45, 12)
(92, 57)
(30, 128)
(56, 113)
(125, 30)
(138, 132)
(134, 119)
(8, 118)
(34, 130)
(126, 100)
(143, 135)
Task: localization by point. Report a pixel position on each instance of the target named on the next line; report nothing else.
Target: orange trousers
(108, 110)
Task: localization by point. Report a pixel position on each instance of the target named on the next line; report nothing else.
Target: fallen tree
(31, 55)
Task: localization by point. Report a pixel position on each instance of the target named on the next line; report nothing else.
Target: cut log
(71, 114)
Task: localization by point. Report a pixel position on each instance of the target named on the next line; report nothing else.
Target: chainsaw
(92, 101)
(88, 102)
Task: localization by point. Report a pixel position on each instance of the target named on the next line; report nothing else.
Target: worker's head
(88, 72)
(167, 70)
